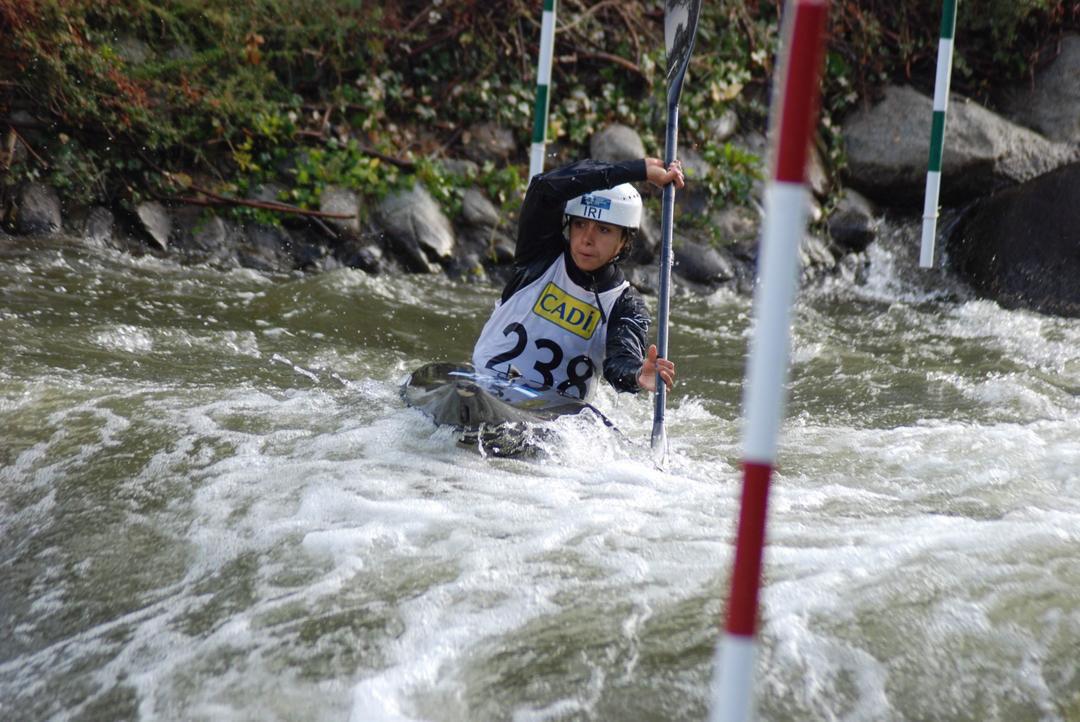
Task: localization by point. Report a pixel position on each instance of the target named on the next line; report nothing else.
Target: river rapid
(215, 506)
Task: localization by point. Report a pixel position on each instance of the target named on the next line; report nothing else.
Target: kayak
(496, 413)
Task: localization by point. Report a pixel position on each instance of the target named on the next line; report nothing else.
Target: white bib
(551, 331)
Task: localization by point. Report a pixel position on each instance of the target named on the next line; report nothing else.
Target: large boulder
(702, 264)
(1051, 104)
(1021, 246)
(888, 147)
(694, 198)
(419, 231)
(647, 243)
(478, 211)
(199, 236)
(39, 210)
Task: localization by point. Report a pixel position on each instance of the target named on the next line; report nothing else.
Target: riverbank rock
(694, 198)
(199, 236)
(418, 229)
(155, 222)
(488, 142)
(342, 202)
(478, 211)
(1051, 104)
(887, 147)
(816, 260)
(647, 243)
(266, 248)
(702, 264)
(39, 210)
(1021, 246)
(98, 228)
(616, 143)
(853, 223)
(480, 237)
(363, 254)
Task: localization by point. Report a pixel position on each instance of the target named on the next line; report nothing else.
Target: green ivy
(283, 91)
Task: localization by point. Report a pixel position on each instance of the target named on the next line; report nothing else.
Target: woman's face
(592, 244)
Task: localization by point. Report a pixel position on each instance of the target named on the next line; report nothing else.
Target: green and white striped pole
(937, 132)
(543, 82)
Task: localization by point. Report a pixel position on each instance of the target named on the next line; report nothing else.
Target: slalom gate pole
(543, 83)
(793, 118)
(937, 133)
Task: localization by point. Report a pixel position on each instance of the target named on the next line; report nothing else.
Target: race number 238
(578, 370)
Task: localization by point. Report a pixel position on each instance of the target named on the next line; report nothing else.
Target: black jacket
(540, 242)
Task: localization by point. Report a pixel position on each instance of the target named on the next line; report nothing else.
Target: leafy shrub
(238, 94)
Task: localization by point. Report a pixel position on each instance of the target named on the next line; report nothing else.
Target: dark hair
(631, 235)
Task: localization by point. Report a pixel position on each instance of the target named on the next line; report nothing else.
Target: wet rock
(418, 229)
(265, 248)
(644, 279)
(489, 142)
(309, 255)
(616, 143)
(702, 264)
(201, 237)
(815, 258)
(363, 254)
(502, 251)
(854, 268)
(155, 221)
(99, 225)
(1021, 246)
(853, 223)
(491, 245)
(39, 210)
(468, 268)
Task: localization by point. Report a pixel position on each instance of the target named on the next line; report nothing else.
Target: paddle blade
(659, 445)
(680, 29)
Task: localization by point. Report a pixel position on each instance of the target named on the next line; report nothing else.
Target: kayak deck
(493, 412)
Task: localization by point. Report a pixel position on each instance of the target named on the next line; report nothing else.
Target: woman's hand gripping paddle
(680, 28)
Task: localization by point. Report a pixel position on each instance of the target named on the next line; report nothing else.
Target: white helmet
(619, 206)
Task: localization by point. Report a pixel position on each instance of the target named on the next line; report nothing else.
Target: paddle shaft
(667, 222)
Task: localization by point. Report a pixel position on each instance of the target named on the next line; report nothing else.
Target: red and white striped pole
(792, 122)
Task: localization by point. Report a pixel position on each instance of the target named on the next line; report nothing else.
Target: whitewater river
(214, 506)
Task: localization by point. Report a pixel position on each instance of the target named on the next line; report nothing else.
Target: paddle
(680, 28)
